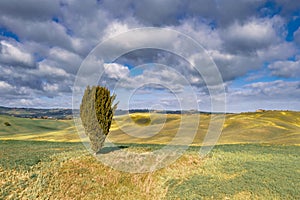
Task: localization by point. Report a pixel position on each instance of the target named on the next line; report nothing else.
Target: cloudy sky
(255, 45)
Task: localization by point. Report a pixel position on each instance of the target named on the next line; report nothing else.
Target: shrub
(96, 113)
(7, 124)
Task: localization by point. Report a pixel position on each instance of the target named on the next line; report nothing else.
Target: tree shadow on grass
(106, 150)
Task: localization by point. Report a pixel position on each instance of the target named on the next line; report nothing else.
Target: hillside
(271, 127)
(37, 129)
(274, 127)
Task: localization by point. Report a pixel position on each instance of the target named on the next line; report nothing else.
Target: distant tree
(7, 124)
(96, 113)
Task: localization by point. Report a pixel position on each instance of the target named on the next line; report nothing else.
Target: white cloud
(250, 35)
(26, 102)
(114, 29)
(287, 69)
(12, 53)
(116, 71)
(64, 59)
(44, 69)
(273, 95)
(203, 33)
(271, 90)
(155, 76)
(50, 87)
(5, 86)
(278, 51)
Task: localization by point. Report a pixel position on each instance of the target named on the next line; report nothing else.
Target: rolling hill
(37, 129)
(270, 127)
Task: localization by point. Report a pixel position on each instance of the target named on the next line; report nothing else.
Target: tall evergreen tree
(96, 113)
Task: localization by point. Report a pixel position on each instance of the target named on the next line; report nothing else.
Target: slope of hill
(273, 127)
(270, 127)
(37, 129)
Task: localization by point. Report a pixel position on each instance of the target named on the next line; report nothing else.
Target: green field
(37, 129)
(257, 157)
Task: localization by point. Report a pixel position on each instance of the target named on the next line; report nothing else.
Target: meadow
(257, 157)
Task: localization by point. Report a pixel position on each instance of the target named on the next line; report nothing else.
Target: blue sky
(255, 45)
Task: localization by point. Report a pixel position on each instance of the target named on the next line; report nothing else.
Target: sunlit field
(257, 157)
(270, 127)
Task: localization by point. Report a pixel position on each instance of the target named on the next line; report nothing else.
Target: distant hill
(123, 112)
(59, 113)
(37, 113)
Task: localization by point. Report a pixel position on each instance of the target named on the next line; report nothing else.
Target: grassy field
(37, 129)
(257, 158)
(270, 127)
(50, 170)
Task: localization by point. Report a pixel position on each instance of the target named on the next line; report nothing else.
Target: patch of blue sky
(128, 65)
(263, 75)
(292, 26)
(134, 71)
(269, 9)
(55, 19)
(181, 16)
(68, 31)
(38, 57)
(9, 34)
(139, 70)
(292, 58)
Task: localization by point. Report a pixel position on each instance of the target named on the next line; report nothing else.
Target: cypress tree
(96, 113)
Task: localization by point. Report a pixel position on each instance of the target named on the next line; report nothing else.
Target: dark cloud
(163, 58)
(251, 36)
(30, 9)
(172, 12)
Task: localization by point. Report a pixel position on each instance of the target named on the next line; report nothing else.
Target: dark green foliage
(7, 124)
(96, 113)
(104, 108)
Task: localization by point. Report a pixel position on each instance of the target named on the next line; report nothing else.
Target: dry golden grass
(251, 171)
(78, 175)
(273, 127)
(229, 172)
